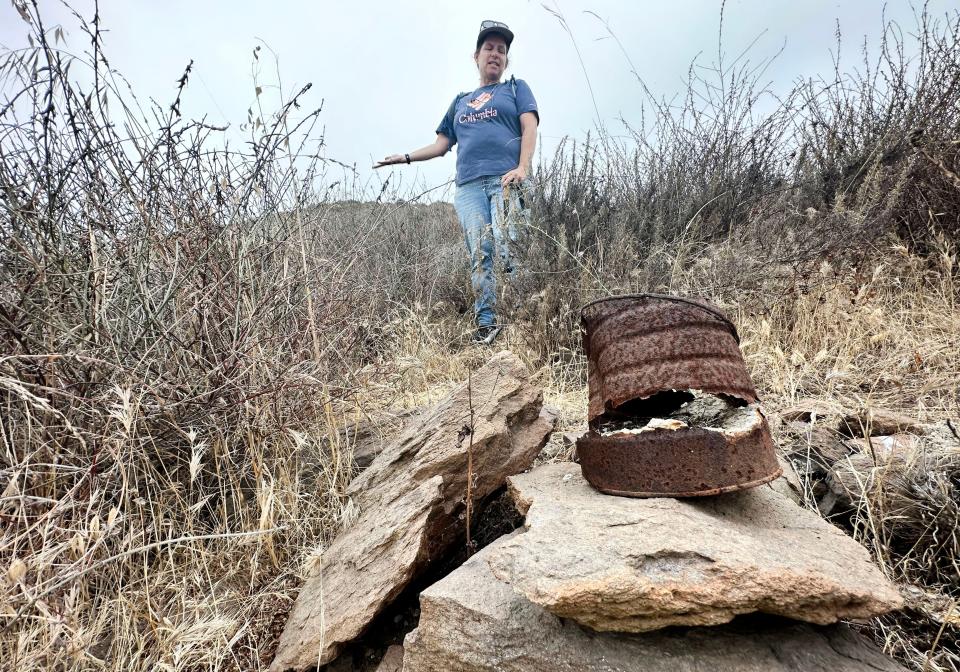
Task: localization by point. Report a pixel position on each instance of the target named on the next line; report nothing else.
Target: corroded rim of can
(702, 305)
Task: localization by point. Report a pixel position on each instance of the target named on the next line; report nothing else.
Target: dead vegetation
(185, 330)
(888, 341)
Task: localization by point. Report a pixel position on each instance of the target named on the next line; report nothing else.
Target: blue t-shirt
(486, 123)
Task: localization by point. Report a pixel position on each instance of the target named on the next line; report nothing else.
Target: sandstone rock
(472, 622)
(411, 502)
(806, 410)
(879, 422)
(634, 565)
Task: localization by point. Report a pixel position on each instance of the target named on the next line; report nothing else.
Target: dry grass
(884, 334)
(185, 331)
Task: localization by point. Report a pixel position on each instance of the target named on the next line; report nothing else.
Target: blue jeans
(489, 229)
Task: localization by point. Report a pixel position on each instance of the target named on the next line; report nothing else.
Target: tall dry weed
(177, 341)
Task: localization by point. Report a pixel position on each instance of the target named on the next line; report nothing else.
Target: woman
(496, 126)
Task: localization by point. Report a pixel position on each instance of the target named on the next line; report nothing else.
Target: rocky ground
(550, 574)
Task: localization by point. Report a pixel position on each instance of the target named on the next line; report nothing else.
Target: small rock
(788, 484)
(570, 438)
(392, 660)
(879, 422)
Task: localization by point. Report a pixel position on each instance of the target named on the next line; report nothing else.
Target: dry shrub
(907, 511)
(177, 337)
(825, 171)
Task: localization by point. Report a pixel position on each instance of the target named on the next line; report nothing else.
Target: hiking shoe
(485, 335)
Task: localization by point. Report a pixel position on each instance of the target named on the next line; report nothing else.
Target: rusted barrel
(649, 358)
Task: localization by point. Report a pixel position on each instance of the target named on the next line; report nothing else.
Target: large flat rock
(471, 621)
(635, 565)
(411, 502)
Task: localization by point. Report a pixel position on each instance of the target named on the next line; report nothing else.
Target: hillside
(190, 337)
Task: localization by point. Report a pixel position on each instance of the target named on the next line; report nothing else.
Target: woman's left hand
(515, 176)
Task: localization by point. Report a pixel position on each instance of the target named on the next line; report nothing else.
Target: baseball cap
(488, 27)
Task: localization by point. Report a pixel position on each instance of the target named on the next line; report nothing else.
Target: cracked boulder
(411, 503)
(473, 621)
(635, 565)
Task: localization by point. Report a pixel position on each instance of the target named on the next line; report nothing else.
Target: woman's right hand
(390, 160)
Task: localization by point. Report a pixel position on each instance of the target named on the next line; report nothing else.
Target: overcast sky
(387, 70)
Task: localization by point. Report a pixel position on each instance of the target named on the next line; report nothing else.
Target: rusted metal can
(647, 354)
